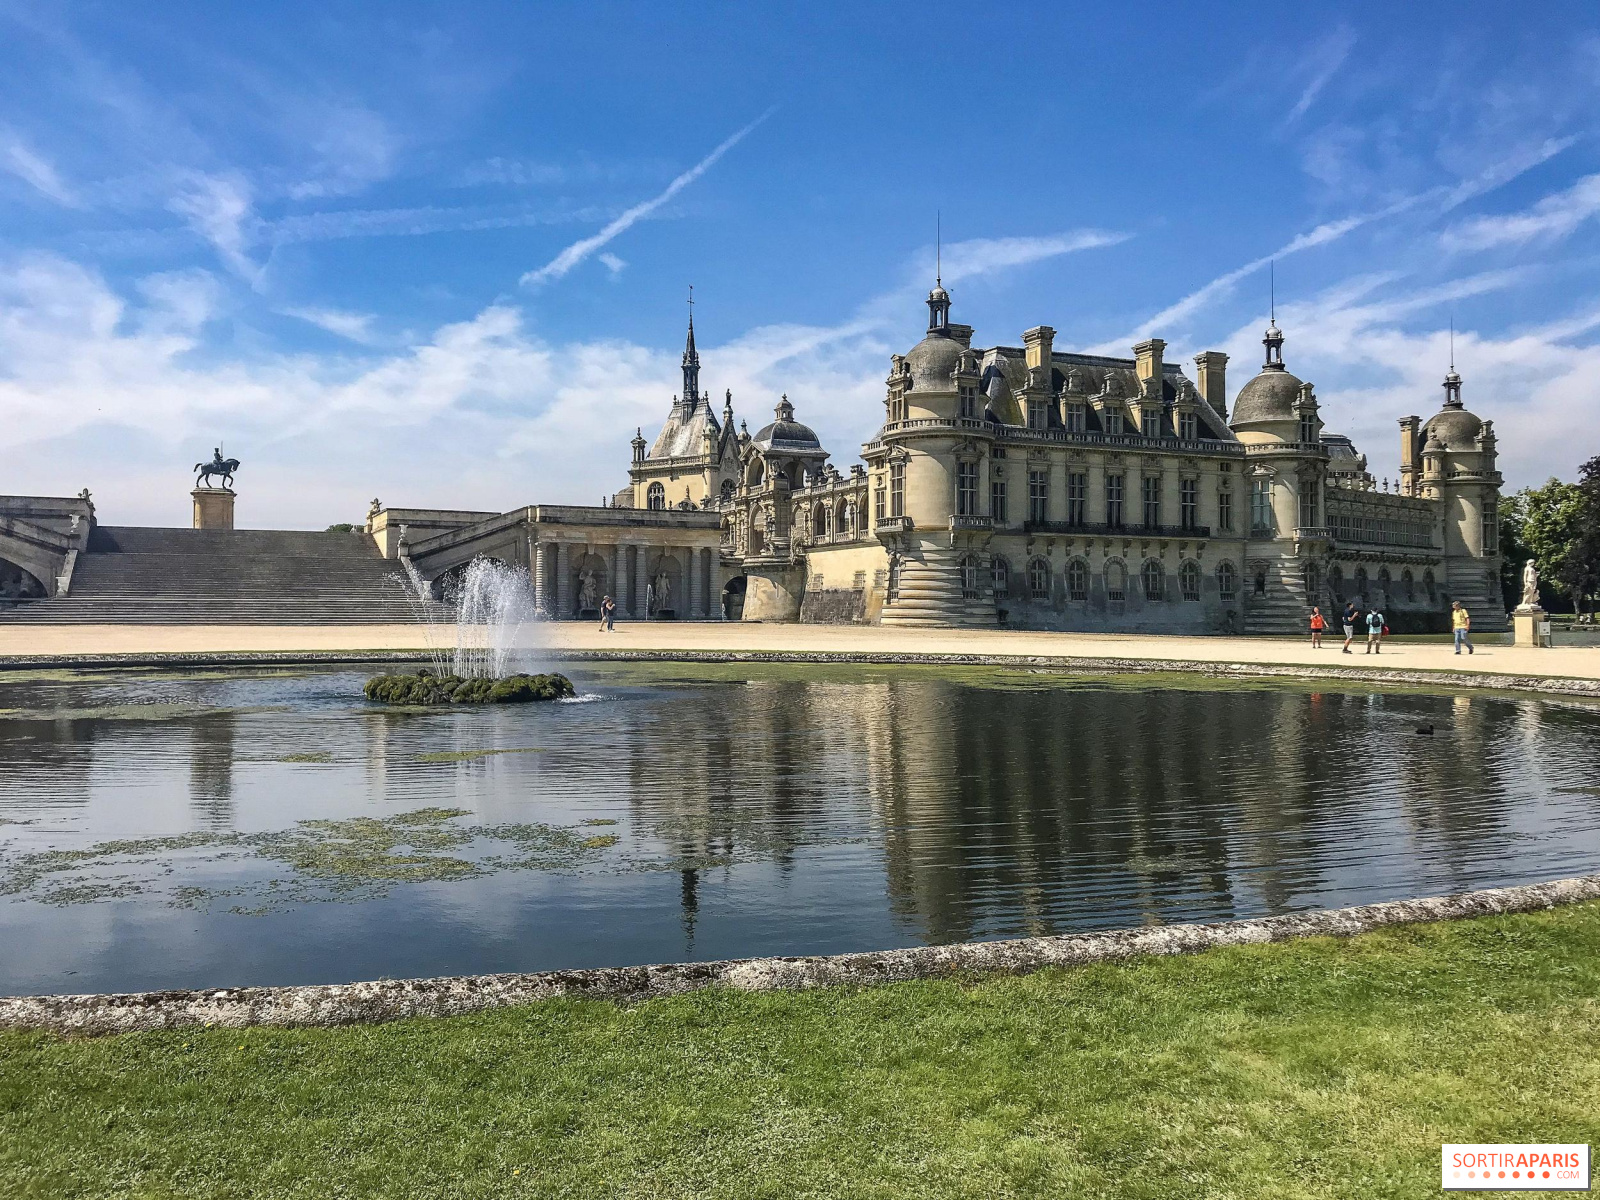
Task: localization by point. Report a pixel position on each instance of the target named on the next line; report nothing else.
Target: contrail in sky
(578, 251)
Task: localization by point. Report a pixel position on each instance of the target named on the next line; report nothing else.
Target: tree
(1579, 571)
(1513, 546)
(1550, 521)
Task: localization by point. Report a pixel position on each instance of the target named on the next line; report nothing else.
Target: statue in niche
(1530, 585)
(588, 591)
(661, 589)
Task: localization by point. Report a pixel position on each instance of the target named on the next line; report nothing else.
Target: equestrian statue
(217, 466)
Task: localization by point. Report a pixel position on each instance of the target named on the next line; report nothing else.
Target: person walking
(1375, 631)
(1318, 624)
(1461, 626)
(608, 615)
(1352, 614)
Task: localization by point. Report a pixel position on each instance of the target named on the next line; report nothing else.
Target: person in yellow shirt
(1461, 626)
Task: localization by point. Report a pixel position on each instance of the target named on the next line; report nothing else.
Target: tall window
(966, 489)
(969, 578)
(1227, 582)
(1308, 505)
(1116, 581)
(1189, 580)
(1189, 503)
(1077, 497)
(1038, 496)
(1188, 426)
(1491, 527)
(969, 402)
(1038, 414)
(1000, 575)
(1308, 428)
(879, 508)
(656, 496)
(1313, 583)
(1225, 511)
(1260, 506)
(1039, 579)
(897, 489)
(1151, 494)
(1112, 419)
(1077, 580)
(997, 501)
(897, 407)
(1383, 583)
(1150, 575)
(820, 521)
(1408, 584)
(1114, 501)
(1077, 419)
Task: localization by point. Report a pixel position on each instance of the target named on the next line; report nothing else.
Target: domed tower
(1276, 417)
(775, 462)
(929, 468)
(1459, 472)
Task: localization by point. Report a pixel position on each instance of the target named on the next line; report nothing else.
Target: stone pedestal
(1528, 624)
(213, 508)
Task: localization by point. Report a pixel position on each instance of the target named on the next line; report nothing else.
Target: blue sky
(438, 254)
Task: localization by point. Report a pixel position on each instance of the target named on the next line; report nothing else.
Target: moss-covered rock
(425, 688)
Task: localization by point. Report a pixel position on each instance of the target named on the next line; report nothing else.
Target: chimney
(1211, 377)
(1410, 452)
(1148, 354)
(1040, 341)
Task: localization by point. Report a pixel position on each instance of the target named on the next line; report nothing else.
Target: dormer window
(1188, 426)
(1152, 422)
(1113, 421)
(1076, 418)
(1038, 414)
(1308, 428)
(969, 403)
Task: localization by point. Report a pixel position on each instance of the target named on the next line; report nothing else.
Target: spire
(939, 299)
(1273, 338)
(1452, 381)
(691, 362)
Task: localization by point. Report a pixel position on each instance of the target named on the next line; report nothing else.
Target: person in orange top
(1317, 626)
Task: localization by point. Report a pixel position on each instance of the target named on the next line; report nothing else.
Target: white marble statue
(1530, 585)
(588, 592)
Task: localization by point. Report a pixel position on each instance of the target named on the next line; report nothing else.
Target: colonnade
(629, 570)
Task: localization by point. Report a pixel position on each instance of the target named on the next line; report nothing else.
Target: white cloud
(35, 171)
(1324, 64)
(217, 207)
(355, 326)
(580, 250)
(980, 256)
(612, 263)
(1551, 218)
(352, 147)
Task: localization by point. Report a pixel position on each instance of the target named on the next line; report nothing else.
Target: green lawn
(1316, 1068)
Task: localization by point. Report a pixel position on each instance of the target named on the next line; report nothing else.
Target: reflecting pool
(209, 829)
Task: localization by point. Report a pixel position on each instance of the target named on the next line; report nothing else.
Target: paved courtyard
(42, 640)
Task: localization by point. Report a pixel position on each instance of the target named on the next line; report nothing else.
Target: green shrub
(425, 688)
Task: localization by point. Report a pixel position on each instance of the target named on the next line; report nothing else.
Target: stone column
(562, 589)
(695, 587)
(542, 600)
(622, 587)
(641, 581)
(613, 554)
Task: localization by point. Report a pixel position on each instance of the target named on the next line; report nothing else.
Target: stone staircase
(1284, 610)
(929, 594)
(1486, 603)
(140, 576)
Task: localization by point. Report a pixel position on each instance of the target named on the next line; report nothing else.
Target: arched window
(1313, 583)
(1429, 586)
(755, 472)
(1189, 580)
(1336, 581)
(1383, 582)
(969, 578)
(819, 521)
(1116, 580)
(655, 497)
(1227, 581)
(1039, 579)
(844, 518)
(1361, 584)
(1077, 580)
(727, 490)
(1408, 584)
(1000, 575)
(1151, 576)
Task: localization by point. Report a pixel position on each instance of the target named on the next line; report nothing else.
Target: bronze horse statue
(217, 466)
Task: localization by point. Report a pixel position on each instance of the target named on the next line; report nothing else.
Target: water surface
(187, 830)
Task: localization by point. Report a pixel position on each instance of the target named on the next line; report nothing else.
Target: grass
(1317, 1068)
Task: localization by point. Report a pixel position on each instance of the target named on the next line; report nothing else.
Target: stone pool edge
(395, 999)
(1554, 685)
